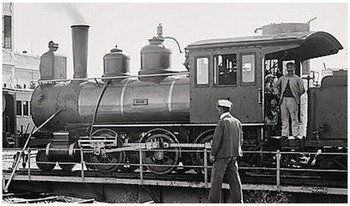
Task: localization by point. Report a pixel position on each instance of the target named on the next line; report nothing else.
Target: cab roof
(309, 44)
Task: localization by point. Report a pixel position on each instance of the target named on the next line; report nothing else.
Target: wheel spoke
(169, 161)
(110, 158)
(148, 160)
(200, 155)
(161, 157)
(148, 154)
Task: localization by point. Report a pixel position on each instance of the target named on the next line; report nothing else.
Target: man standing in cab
(289, 88)
(226, 148)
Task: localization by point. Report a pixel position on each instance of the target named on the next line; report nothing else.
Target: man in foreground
(226, 148)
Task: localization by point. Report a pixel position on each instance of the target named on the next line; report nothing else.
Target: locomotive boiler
(107, 120)
(125, 100)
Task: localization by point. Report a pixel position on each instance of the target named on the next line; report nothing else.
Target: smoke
(74, 13)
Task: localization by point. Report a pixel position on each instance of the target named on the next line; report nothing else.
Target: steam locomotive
(106, 120)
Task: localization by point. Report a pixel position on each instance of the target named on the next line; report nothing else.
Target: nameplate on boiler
(137, 102)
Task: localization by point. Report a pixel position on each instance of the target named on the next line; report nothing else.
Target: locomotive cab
(244, 70)
(224, 70)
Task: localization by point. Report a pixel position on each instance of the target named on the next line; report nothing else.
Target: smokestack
(80, 37)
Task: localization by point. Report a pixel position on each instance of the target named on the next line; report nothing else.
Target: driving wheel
(107, 162)
(161, 160)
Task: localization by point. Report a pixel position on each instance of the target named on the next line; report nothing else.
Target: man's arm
(301, 86)
(217, 138)
(240, 134)
(277, 87)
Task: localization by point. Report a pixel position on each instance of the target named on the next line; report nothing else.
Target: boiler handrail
(26, 144)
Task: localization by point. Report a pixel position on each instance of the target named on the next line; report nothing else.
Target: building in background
(19, 70)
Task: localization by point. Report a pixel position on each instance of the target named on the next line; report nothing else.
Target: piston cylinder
(80, 37)
(61, 149)
(61, 152)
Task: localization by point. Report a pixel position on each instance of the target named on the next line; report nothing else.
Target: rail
(276, 167)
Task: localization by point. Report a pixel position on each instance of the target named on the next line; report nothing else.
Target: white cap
(224, 103)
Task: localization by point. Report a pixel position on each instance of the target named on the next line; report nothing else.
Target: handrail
(176, 73)
(205, 166)
(278, 168)
(97, 106)
(26, 144)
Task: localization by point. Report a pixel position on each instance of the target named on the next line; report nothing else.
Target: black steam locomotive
(107, 120)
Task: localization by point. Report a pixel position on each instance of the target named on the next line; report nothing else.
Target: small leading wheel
(88, 163)
(65, 166)
(162, 160)
(200, 155)
(43, 162)
(107, 162)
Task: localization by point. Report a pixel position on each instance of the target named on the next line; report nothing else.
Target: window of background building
(19, 108)
(202, 70)
(225, 69)
(7, 32)
(248, 68)
(25, 108)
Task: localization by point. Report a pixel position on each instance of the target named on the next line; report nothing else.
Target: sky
(130, 25)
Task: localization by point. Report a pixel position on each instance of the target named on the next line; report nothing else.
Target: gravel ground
(253, 196)
(48, 199)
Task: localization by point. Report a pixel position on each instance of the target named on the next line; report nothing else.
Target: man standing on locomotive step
(225, 149)
(289, 88)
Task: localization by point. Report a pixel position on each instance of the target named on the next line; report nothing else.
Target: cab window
(225, 69)
(202, 71)
(248, 68)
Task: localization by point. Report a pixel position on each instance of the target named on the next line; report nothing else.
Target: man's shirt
(287, 92)
(228, 137)
(296, 85)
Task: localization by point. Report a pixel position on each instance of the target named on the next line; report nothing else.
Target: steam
(74, 13)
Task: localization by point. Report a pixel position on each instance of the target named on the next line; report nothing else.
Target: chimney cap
(80, 25)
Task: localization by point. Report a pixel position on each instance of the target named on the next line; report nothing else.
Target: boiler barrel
(125, 102)
(132, 101)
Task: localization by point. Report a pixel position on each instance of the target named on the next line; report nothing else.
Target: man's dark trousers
(230, 167)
